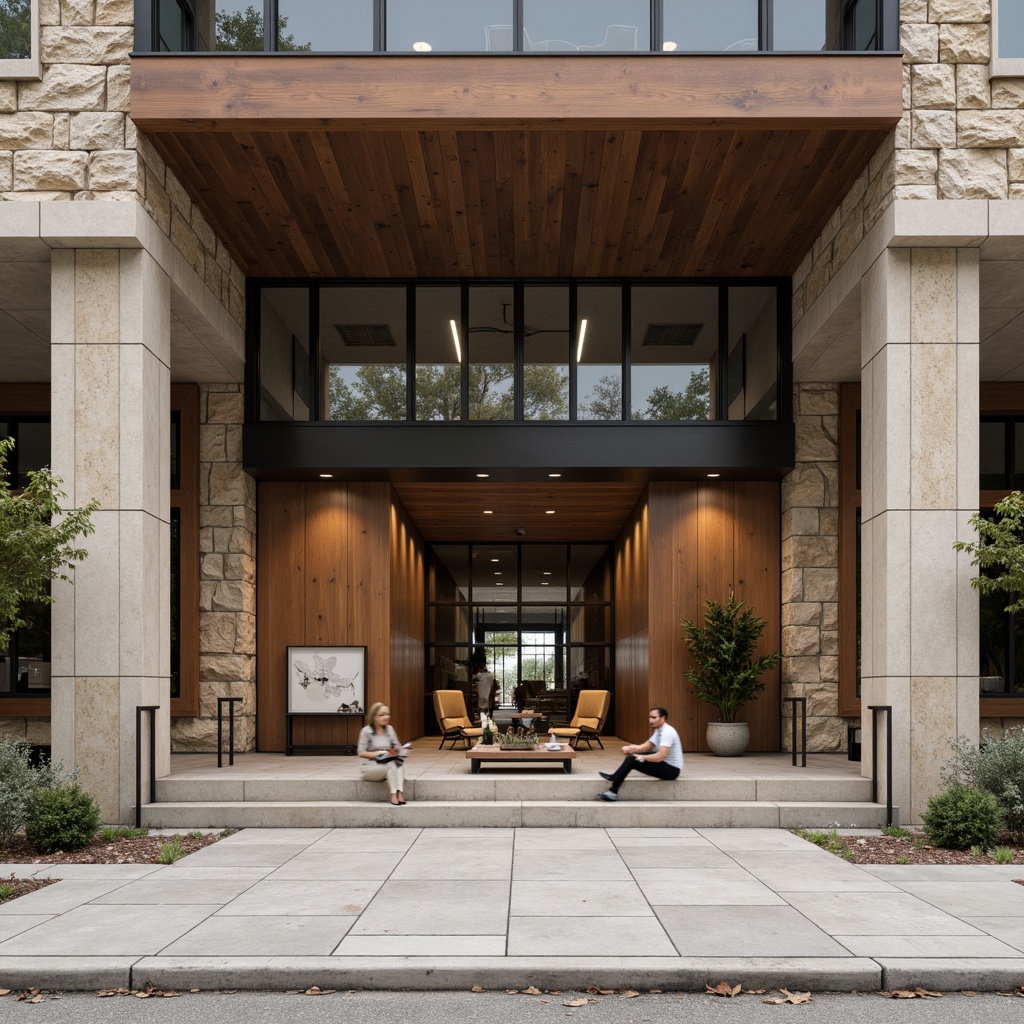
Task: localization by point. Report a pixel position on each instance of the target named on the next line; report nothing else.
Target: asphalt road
(500, 1008)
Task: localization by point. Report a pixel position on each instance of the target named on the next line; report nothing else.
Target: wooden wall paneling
(756, 542)
(631, 624)
(714, 565)
(407, 652)
(673, 596)
(280, 602)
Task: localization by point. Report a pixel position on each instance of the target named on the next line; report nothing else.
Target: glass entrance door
(538, 617)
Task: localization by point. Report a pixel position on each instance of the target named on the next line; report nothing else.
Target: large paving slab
(558, 907)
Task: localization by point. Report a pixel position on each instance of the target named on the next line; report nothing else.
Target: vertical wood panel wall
(407, 623)
(697, 541)
(323, 577)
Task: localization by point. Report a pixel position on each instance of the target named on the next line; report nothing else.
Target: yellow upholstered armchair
(453, 719)
(587, 723)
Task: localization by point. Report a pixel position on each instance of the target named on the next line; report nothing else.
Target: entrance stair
(270, 790)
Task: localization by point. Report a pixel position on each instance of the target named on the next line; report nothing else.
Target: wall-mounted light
(714, 476)
(326, 476)
(550, 512)
(554, 476)
(579, 344)
(455, 338)
(482, 476)
(488, 512)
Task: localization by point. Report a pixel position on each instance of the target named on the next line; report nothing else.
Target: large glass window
(1008, 19)
(238, 26)
(284, 354)
(598, 353)
(546, 352)
(515, 352)
(586, 25)
(806, 25)
(362, 353)
(491, 345)
(673, 353)
(449, 26)
(439, 353)
(698, 25)
(325, 25)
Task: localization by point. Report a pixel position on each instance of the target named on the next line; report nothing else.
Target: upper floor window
(513, 26)
(518, 351)
(19, 39)
(1007, 38)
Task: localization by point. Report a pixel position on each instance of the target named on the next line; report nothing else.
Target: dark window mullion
(1009, 451)
(518, 354)
(410, 353)
(269, 26)
(464, 316)
(317, 386)
(657, 25)
(378, 25)
(766, 29)
(627, 357)
(517, 26)
(574, 336)
(723, 354)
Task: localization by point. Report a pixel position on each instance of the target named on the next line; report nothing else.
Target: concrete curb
(69, 973)
(948, 975)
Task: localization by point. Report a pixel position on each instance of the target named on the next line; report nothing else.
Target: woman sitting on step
(383, 754)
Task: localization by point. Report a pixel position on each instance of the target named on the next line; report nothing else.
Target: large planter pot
(728, 739)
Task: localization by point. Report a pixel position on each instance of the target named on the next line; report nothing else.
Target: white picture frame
(326, 681)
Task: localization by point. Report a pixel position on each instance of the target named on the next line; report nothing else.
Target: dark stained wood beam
(301, 93)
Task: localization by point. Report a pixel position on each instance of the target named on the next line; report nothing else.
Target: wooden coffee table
(479, 754)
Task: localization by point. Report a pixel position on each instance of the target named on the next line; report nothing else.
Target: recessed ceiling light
(554, 476)
(547, 574)
(544, 583)
(499, 584)
(713, 476)
(326, 476)
(483, 476)
(550, 512)
(495, 559)
(488, 512)
(497, 574)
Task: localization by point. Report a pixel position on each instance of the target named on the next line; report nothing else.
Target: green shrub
(1002, 854)
(997, 767)
(62, 818)
(111, 835)
(18, 781)
(963, 817)
(170, 852)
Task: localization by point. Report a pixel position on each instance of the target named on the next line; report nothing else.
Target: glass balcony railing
(516, 26)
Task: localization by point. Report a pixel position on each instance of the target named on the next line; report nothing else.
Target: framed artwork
(326, 680)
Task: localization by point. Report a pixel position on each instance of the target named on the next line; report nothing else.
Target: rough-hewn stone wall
(227, 575)
(810, 568)
(69, 136)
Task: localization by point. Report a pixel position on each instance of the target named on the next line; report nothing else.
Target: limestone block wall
(69, 136)
(961, 135)
(810, 568)
(227, 584)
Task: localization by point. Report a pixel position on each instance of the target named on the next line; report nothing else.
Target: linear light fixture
(455, 338)
(579, 345)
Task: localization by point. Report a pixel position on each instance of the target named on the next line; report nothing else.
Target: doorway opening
(539, 616)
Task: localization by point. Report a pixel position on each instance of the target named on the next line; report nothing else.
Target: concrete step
(532, 786)
(590, 813)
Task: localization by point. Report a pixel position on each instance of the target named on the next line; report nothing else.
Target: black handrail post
(152, 709)
(802, 701)
(230, 701)
(874, 709)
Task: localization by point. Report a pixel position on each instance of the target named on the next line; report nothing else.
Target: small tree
(999, 551)
(726, 674)
(37, 541)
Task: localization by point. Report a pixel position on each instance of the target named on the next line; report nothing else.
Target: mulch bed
(916, 850)
(22, 886)
(144, 850)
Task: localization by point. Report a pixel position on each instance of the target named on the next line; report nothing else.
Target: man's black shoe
(605, 775)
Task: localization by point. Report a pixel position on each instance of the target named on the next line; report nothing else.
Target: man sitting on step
(661, 756)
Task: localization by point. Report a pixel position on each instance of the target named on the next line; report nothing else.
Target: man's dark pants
(658, 769)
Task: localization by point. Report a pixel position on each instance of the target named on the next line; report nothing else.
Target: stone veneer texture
(227, 575)
(69, 136)
(810, 568)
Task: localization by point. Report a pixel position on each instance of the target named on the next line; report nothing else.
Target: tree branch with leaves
(37, 541)
(999, 551)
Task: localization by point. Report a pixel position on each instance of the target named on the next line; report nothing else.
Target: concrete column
(919, 486)
(110, 355)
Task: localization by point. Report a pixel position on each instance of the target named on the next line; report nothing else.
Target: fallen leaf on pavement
(5, 991)
(316, 990)
(629, 993)
(723, 988)
(531, 991)
(789, 997)
(907, 993)
(577, 1002)
(478, 988)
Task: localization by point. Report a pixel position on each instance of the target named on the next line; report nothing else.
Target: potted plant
(725, 674)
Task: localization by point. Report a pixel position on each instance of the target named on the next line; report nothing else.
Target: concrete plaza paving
(557, 908)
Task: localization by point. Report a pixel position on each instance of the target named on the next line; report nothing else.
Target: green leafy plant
(977, 851)
(1002, 854)
(6, 892)
(37, 542)
(997, 767)
(168, 853)
(112, 835)
(832, 841)
(520, 739)
(901, 859)
(962, 817)
(62, 818)
(19, 780)
(726, 675)
(999, 551)
(896, 832)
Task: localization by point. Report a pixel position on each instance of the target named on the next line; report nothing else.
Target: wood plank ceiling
(662, 176)
(455, 512)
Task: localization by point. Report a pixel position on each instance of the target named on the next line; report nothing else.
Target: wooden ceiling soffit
(384, 92)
